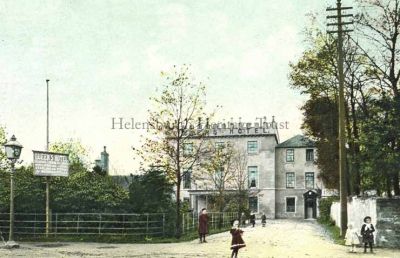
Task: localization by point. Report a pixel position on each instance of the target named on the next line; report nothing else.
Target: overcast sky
(104, 60)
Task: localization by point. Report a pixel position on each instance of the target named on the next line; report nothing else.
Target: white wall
(357, 210)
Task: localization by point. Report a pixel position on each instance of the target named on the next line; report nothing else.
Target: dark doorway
(310, 205)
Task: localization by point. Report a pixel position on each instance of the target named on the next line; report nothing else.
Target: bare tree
(240, 179)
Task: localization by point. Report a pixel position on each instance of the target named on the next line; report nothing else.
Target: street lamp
(13, 151)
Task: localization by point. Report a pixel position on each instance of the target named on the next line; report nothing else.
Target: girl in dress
(352, 238)
(237, 240)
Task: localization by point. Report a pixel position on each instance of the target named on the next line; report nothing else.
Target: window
(253, 204)
(252, 147)
(187, 149)
(187, 179)
(289, 155)
(218, 178)
(253, 174)
(219, 145)
(309, 180)
(290, 204)
(290, 180)
(309, 155)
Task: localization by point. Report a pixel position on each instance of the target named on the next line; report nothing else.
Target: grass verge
(333, 230)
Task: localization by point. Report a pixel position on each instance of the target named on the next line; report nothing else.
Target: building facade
(282, 177)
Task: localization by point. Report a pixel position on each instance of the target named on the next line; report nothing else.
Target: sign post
(49, 164)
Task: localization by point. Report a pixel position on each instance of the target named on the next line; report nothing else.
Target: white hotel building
(282, 177)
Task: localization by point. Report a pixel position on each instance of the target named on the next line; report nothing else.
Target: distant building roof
(298, 141)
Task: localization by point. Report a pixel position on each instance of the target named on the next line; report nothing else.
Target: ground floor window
(253, 204)
(290, 204)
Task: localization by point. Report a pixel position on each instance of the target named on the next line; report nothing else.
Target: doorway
(310, 205)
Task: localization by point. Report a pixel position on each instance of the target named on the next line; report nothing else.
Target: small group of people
(353, 239)
(253, 219)
(236, 233)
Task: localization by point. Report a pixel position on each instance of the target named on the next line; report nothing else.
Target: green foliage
(173, 118)
(325, 209)
(29, 191)
(85, 191)
(321, 123)
(150, 192)
(76, 151)
(81, 191)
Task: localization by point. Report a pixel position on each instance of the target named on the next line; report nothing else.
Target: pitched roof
(298, 141)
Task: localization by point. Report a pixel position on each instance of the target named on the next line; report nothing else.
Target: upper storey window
(290, 155)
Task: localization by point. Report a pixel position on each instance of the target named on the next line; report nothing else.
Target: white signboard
(50, 163)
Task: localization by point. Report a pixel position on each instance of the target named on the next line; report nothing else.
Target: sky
(104, 59)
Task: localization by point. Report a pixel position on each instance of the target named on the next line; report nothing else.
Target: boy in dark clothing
(367, 233)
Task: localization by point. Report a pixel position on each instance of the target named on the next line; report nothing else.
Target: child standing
(367, 232)
(263, 220)
(237, 240)
(352, 238)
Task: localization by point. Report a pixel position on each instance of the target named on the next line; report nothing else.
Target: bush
(325, 210)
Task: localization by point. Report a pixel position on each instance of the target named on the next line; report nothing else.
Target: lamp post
(13, 151)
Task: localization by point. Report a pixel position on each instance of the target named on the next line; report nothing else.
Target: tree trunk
(389, 187)
(396, 186)
(178, 210)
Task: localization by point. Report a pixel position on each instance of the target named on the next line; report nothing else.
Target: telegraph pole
(341, 106)
(47, 177)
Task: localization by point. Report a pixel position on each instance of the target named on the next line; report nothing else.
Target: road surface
(280, 238)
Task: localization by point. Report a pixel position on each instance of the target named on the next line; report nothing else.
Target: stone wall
(385, 214)
(388, 211)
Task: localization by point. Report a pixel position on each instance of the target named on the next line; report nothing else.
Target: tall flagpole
(47, 177)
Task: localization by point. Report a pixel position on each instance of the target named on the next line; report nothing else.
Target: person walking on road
(237, 240)
(263, 220)
(203, 225)
(253, 219)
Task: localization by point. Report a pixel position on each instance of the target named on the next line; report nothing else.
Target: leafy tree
(321, 122)
(379, 26)
(84, 191)
(77, 153)
(81, 191)
(174, 121)
(372, 96)
(29, 191)
(150, 192)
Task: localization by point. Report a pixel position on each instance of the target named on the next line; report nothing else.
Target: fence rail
(117, 224)
(86, 224)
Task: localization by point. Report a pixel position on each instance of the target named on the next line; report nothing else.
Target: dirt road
(280, 238)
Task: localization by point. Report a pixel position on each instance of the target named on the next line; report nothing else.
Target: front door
(309, 209)
(310, 205)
